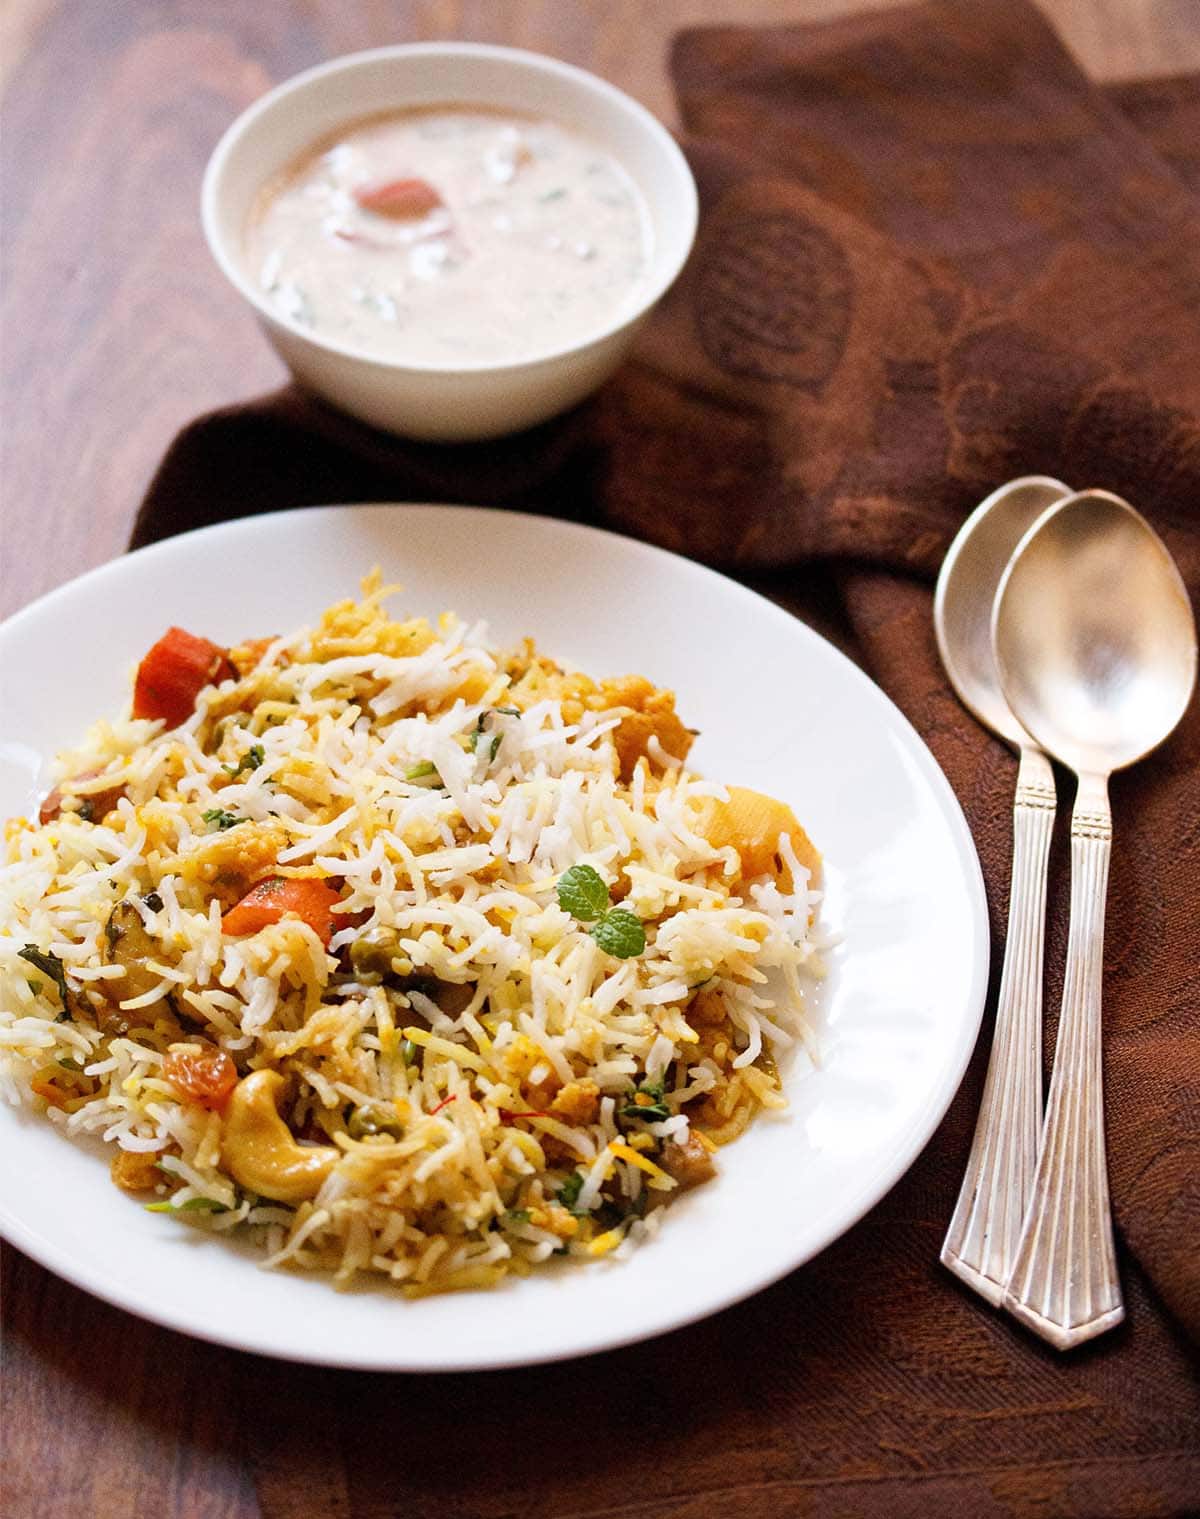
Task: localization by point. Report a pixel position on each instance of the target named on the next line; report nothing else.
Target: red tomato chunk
(174, 673)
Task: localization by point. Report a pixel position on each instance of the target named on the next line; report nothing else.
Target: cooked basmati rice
(461, 1068)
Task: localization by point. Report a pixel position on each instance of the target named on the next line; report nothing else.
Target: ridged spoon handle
(1064, 1283)
(981, 1243)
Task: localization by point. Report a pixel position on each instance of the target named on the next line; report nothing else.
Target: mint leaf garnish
(620, 934)
(49, 965)
(582, 893)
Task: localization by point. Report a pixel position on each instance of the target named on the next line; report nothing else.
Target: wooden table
(116, 330)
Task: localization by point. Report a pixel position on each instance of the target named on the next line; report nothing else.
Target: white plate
(779, 709)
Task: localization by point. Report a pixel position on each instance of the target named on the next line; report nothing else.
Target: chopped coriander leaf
(419, 772)
(620, 934)
(49, 965)
(517, 1216)
(488, 713)
(568, 1193)
(218, 819)
(481, 724)
(473, 743)
(582, 893)
(68, 1064)
(645, 1101)
(648, 1112)
(251, 760)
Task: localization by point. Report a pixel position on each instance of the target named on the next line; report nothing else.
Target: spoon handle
(981, 1243)
(1064, 1283)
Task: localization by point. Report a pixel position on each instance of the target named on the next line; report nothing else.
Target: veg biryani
(407, 953)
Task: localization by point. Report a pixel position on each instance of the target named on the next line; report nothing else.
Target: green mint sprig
(583, 894)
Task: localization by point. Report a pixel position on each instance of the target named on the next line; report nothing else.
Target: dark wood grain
(117, 330)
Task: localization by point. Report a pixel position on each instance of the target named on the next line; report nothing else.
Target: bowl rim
(211, 200)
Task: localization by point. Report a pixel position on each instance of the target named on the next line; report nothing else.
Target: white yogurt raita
(452, 235)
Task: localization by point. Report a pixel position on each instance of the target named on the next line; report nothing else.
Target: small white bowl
(459, 401)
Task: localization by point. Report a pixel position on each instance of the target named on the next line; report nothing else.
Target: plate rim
(873, 1188)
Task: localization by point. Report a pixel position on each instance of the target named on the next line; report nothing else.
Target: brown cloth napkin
(932, 256)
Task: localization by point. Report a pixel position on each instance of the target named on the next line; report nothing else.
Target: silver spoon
(1096, 645)
(982, 1239)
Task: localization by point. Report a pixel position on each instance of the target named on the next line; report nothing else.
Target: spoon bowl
(1094, 634)
(966, 589)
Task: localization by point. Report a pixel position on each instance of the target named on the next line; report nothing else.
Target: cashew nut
(259, 1150)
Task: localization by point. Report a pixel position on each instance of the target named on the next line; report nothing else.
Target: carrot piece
(399, 199)
(279, 897)
(95, 805)
(174, 672)
(208, 1078)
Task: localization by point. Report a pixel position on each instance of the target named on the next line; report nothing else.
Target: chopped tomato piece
(279, 897)
(173, 674)
(400, 199)
(208, 1078)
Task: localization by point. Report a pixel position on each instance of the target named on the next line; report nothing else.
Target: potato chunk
(751, 823)
(688, 1160)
